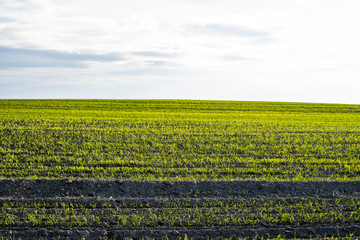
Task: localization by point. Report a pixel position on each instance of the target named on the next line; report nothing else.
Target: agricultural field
(152, 169)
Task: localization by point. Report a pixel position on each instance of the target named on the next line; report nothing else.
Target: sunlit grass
(178, 140)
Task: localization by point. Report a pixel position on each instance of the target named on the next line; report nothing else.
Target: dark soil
(44, 188)
(85, 191)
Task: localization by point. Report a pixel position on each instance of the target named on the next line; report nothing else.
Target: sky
(251, 50)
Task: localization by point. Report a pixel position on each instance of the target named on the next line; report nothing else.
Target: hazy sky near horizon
(265, 50)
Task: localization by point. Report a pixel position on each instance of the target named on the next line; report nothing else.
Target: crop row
(179, 213)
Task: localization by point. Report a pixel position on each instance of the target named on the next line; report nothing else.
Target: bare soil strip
(43, 188)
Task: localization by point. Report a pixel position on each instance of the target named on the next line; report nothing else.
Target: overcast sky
(266, 50)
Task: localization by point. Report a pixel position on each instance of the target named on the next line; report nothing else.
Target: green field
(178, 140)
(178, 169)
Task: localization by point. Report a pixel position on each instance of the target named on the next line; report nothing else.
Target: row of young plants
(178, 140)
(231, 212)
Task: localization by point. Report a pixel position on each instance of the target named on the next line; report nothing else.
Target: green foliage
(178, 140)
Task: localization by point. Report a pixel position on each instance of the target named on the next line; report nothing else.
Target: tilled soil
(108, 209)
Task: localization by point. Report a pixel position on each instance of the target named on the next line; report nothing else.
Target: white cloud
(225, 29)
(268, 47)
(25, 58)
